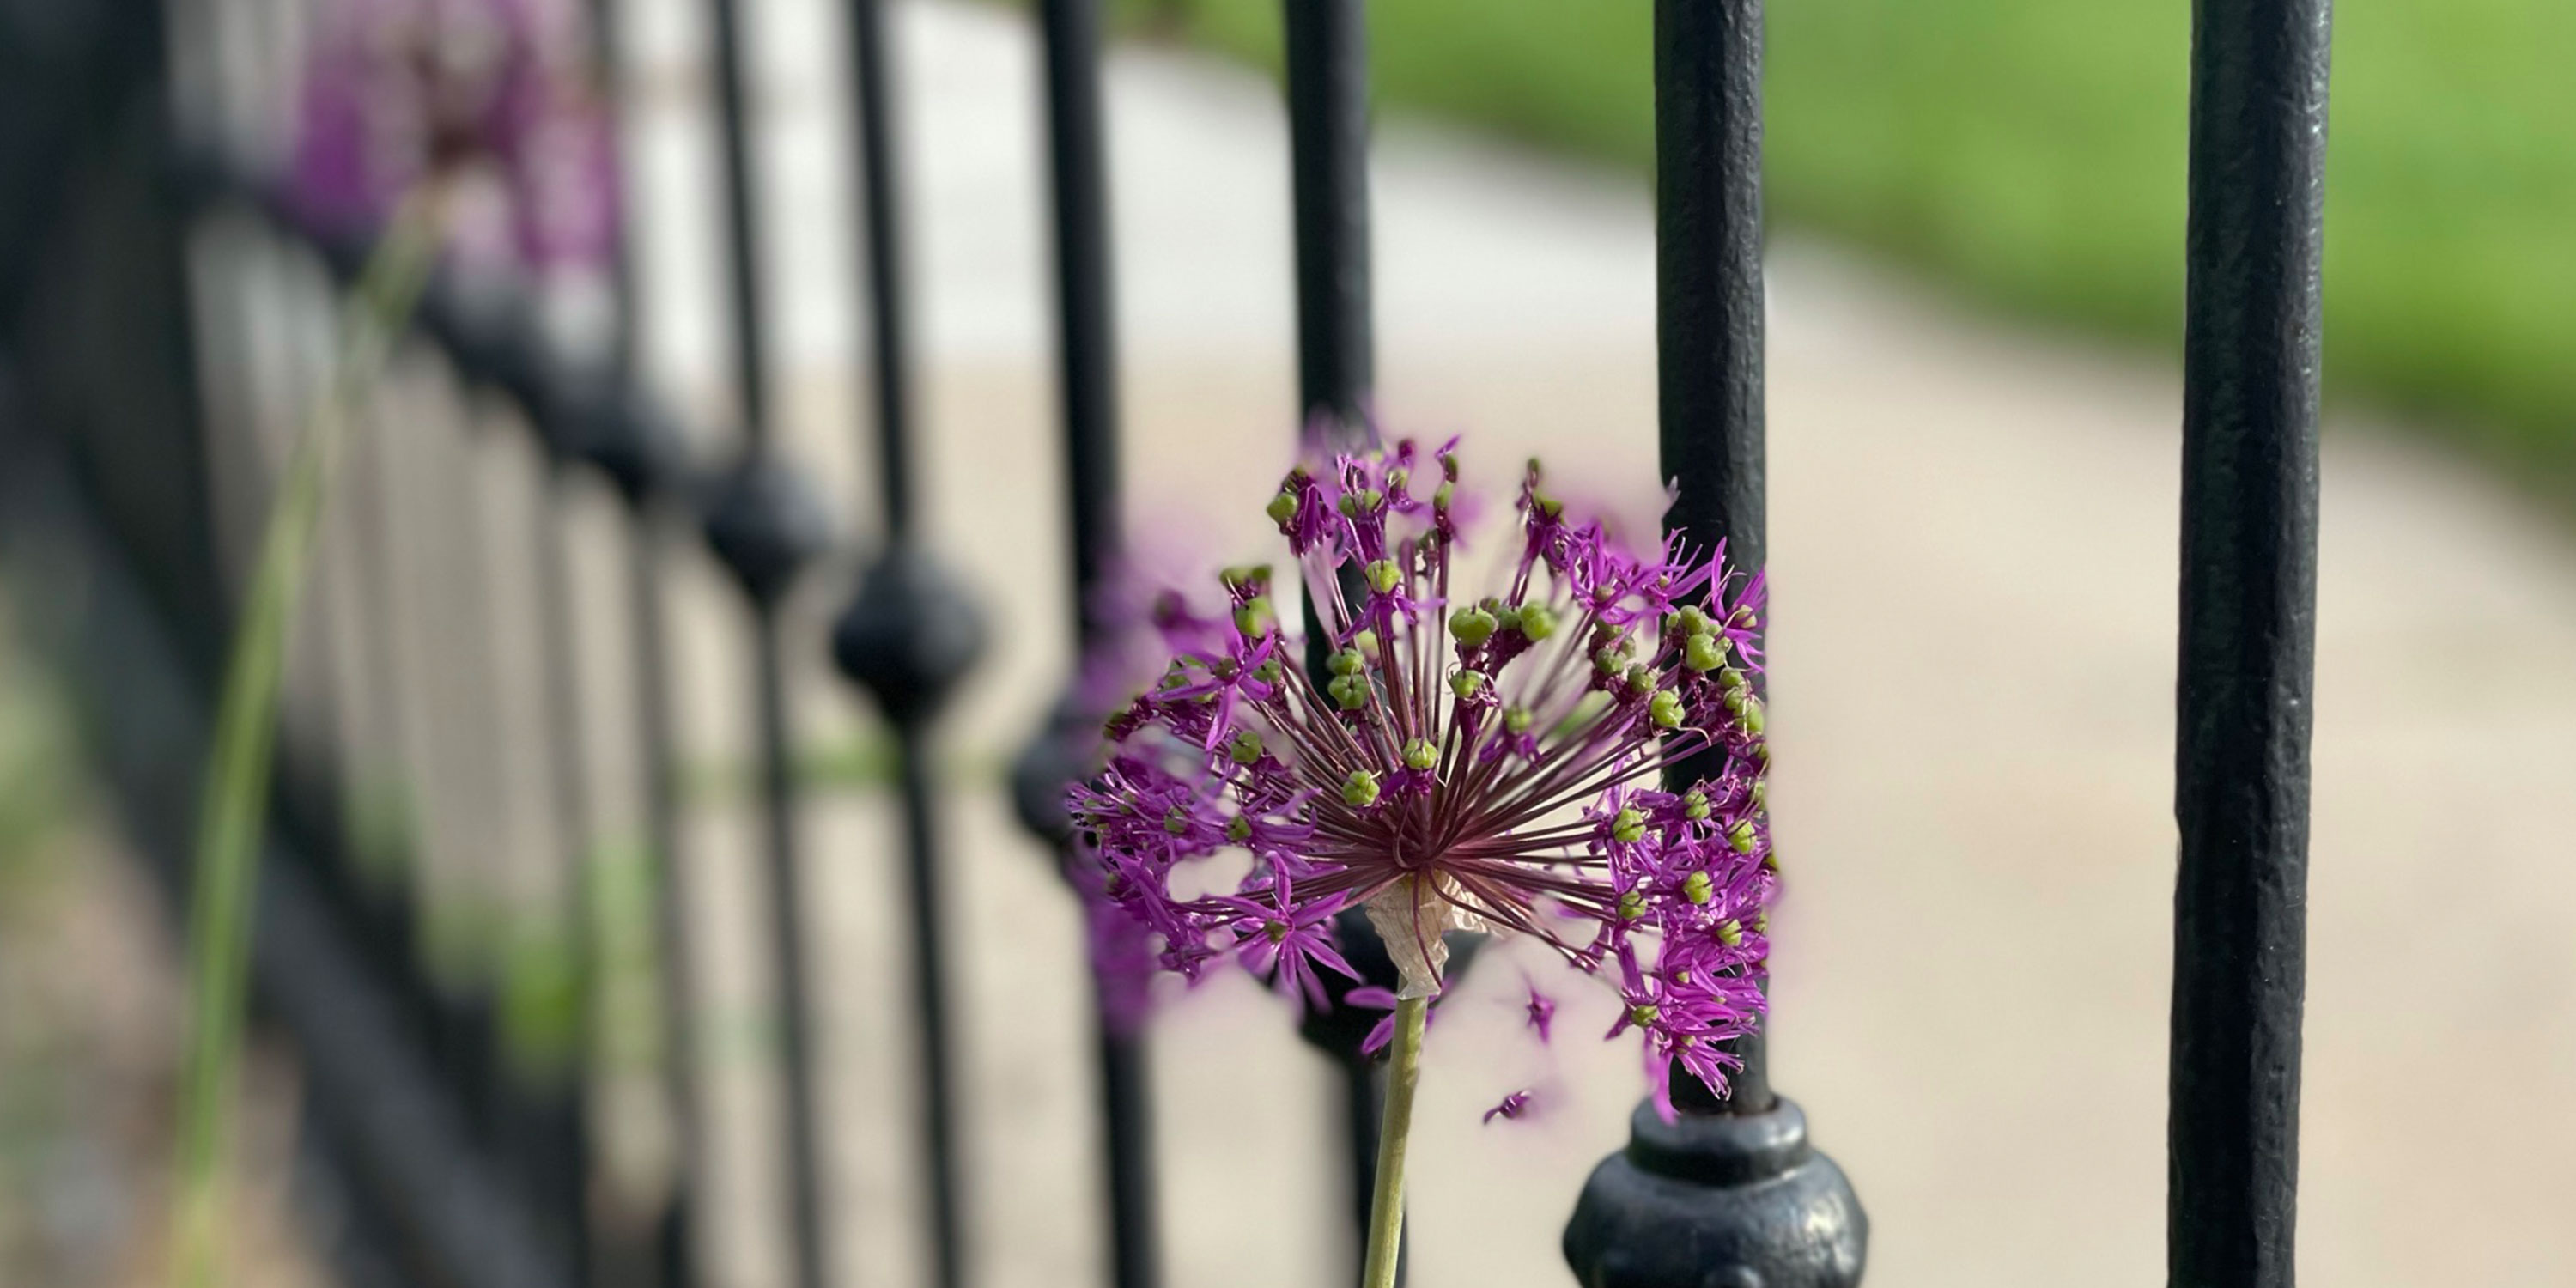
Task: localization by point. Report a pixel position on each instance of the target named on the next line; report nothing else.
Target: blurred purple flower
(1541, 1010)
(1470, 762)
(494, 98)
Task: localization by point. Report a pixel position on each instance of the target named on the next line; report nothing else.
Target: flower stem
(233, 800)
(1395, 1124)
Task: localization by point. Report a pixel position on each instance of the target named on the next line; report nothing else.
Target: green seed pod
(1346, 662)
(1698, 888)
(1695, 805)
(1641, 677)
(1281, 509)
(1398, 479)
(1467, 684)
(1741, 836)
(1359, 791)
(1692, 621)
(1269, 672)
(1506, 616)
(1642, 1014)
(1730, 933)
(1442, 496)
(1247, 747)
(1242, 575)
(1366, 643)
(1472, 626)
(1421, 753)
(1239, 830)
(1752, 717)
(1516, 719)
(1665, 710)
(1351, 691)
(1254, 617)
(1628, 827)
(1632, 906)
(1702, 653)
(1537, 621)
(1176, 822)
(1383, 575)
(1734, 702)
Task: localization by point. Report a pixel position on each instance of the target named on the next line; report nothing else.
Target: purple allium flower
(1511, 1107)
(1475, 757)
(493, 97)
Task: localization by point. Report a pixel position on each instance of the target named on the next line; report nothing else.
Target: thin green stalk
(1395, 1127)
(234, 800)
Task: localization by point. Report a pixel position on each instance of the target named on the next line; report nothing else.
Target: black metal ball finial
(766, 523)
(910, 636)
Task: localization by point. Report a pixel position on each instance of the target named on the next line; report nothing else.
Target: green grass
(2032, 153)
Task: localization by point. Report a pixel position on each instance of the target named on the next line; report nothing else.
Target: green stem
(1395, 1125)
(233, 801)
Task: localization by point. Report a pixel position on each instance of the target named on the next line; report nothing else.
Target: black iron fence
(458, 1164)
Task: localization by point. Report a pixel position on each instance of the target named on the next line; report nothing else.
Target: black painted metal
(889, 302)
(764, 528)
(1729, 1194)
(2249, 551)
(911, 634)
(1327, 54)
(1087, 333)
(1327, 75)
(1717, 1201)
(908, 638)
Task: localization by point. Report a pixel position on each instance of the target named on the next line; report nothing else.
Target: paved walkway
(1973, 535)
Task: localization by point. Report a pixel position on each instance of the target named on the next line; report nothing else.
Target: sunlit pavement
(1974, 550)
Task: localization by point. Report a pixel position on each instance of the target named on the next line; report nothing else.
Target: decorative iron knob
(910, 635)
(1718, 1200)
(766, 523)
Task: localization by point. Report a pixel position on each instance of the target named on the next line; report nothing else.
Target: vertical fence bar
(1327, 75)
(910, 634)
(1730, 1192)
(2248, 625)
(1087, 334)
(761, 528)
(1327, 59)
(1709, 328)
(889, 301)
(640, 454)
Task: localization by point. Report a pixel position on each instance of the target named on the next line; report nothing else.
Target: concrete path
(1973, 536)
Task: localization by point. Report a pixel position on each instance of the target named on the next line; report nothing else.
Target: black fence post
(1730, 1193)
(642, 456)
(1088, 352)
(2248, 627)
(1327, 75)
(766, 526)
(910, 634)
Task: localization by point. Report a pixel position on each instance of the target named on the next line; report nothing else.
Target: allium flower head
(396, 93)
(1470, 757)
